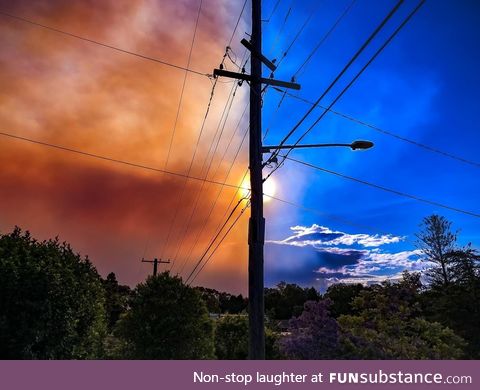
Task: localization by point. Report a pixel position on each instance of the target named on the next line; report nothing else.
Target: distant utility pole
(155, 262)
(256, 231)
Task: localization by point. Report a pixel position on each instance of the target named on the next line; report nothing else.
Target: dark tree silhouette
(286, 300)
(342, 296)
(51, 301)
(167, 320)
(117, 299)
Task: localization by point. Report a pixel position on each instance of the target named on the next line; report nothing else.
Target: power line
(237, 23)
(220, 226)
(400, 193)
(323, 214)
(213, 240)
(385, 44)
(299, 32)
(187, 258)
(273, 12)
(324, 38)
(198, 195)
(115, 160)
(233, 90)
(220, 190)
(315, 49)
(383, 131)
(145, 57)
(219, 243)
(224, 117)
(183, 86)
(146, 167)
(345, 68)
(280, 30)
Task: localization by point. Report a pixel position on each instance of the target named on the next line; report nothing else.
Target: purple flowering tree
(312, 335)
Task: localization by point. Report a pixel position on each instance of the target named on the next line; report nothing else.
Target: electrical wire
(115, 160)
(324, 38)
(233, 90)
(345, 68)
(219, 243)
(145, 57)
(299, 32)
(272, 12)
(382, 47)
(183, 87)
(383, 131)
(198, 195)
(176, 174)
(400, 193)
(207, 218)
(213, 240)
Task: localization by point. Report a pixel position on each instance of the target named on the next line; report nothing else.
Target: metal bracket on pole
(270, 65)
(263, 80)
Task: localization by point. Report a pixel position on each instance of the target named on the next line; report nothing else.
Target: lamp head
(362, 145)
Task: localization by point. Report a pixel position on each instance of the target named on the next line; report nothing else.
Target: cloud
(66, 91)
(317, 235)
(349, 258)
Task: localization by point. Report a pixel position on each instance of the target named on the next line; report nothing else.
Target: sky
(62, 90)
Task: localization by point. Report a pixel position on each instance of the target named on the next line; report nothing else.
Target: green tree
(286, 300)
(167, 320)
(342, 296)
(231, 337)
(390, 325)
(456, 305)
(52, 301)
(437, 241)
(454, 290)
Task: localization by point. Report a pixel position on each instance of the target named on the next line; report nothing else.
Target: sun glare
(269, 189)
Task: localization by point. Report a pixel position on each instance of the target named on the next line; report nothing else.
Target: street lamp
(355, 145)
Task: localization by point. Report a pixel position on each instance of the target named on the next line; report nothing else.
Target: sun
(269, 189)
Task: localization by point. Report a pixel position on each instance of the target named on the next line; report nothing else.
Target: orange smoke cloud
(65, 91)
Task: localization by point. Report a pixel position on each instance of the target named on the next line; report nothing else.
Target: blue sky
(424, 86)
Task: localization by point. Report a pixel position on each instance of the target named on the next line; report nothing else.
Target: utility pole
(256, 227)
(155, 262)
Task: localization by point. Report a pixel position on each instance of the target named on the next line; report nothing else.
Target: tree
(117, 299)
(313, 335)
(390, 325)
(437, 241)
(167, 320)
(342, 296)
(52, 301)
(231, 337)
(456, 305)
(287, 300)
(452, 297)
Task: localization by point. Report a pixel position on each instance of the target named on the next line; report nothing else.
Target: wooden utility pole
(155, 262)
(256, 227)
